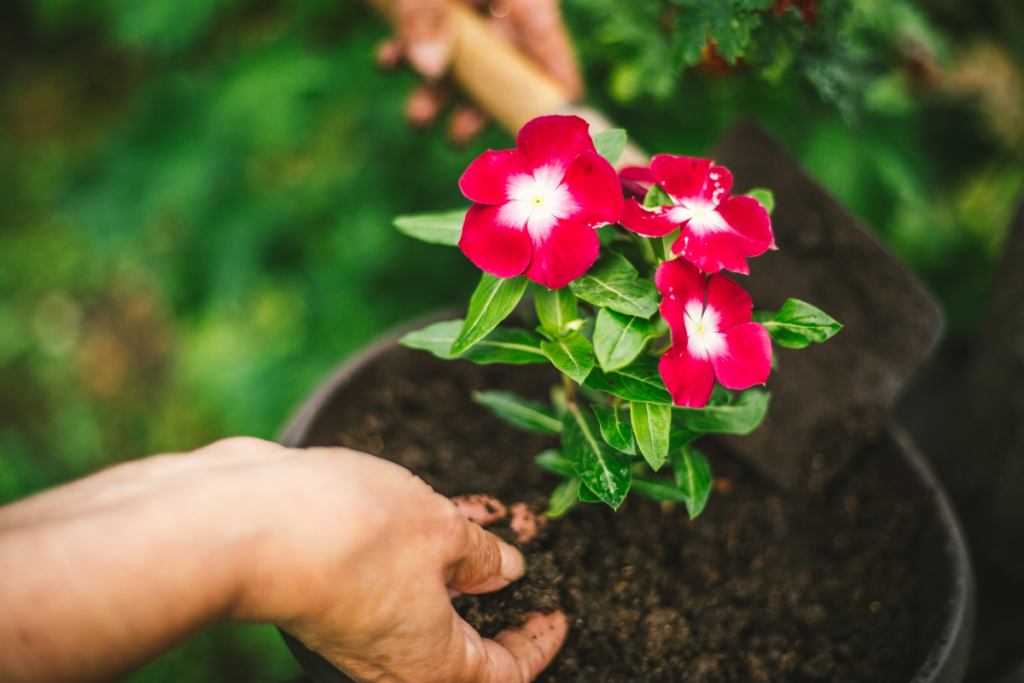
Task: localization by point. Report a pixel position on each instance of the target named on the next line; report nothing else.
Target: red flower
(636, 181)
(537, 205)
(712, 335)
(718, 231)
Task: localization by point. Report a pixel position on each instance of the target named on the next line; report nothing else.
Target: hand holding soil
(350, 553)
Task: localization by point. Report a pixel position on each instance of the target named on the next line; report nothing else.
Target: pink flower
(712, 336)
(718, 231)
(537, 205)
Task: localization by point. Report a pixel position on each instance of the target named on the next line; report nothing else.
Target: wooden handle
(506, 83)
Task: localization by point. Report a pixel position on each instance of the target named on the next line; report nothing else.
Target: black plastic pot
(945, 562)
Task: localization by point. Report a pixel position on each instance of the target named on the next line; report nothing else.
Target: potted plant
(762, 586)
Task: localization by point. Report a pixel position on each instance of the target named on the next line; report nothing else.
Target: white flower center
(703, 337)
(537, 201)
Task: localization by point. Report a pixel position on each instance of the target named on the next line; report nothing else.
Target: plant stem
(570, 389)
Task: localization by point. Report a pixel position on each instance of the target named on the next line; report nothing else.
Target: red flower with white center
(537, 205)
(718, 231)
(712, 335)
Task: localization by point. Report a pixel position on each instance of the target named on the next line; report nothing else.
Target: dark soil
(763, 586)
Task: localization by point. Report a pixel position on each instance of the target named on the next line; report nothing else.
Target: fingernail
(512, 564)
(430, 57)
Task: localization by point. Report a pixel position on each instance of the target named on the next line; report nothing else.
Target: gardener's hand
(424, 39)
(350, 553)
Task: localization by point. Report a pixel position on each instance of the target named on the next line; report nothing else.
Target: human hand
(360, 561)
(350, 553)
(424, 39)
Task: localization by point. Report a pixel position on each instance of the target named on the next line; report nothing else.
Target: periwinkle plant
(648, 365)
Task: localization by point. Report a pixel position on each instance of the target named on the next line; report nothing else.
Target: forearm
(88, 594)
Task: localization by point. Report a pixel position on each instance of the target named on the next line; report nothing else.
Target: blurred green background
(195, 196)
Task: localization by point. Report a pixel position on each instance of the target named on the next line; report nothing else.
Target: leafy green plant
(638, 356)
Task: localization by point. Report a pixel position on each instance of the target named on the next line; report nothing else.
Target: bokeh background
(195, 196)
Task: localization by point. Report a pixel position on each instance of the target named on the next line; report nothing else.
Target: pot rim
(948, 657)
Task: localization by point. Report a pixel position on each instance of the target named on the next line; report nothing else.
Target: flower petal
(691, 181)
(746, 359)
(689, 379)
(487, 178)
(637, 181)
(751, 223)
(681, 279)
(711, 250)
(494, 245)
(594, 188)
(562, 253)
(729, 302)
(647, 222)
(553, 142)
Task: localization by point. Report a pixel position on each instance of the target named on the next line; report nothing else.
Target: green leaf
(797, 324)
(586, 495)
(615, 426)
(436, 228)
(618, 338)
(651, 422)
(564, 498)
(573, 356)
(556, 309)
(632, 297)
(503, 345)
(741, 417)
(492, 301)
(554, 462)
(657, 197)
(613, 266)
(765, 197)
(720, 396)
(731, 31)
(657, 488)
(693, 479)
(638, 381)
(680, 438)
(532, 416)
(602, 468)
(610, 144)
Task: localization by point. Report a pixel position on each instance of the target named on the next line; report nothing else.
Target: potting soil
(763, 586)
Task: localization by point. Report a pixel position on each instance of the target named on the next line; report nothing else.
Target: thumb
(424, 29)
(484, 562)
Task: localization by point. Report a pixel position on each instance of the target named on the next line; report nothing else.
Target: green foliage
(638, 381)
(798, 324)
(444, 227)
(657, 488)
(610, 144)
(616, 426)
(612, 283)
(739, 417)
(556, 310)
(564, 498)
(555, 463)
(693, 479)
(492, 301)
(532, 416)
(573, 356)
(651, 423)
(619, 339)
(604, 470)
(502, 345)
(765, 197)
(656, 197)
